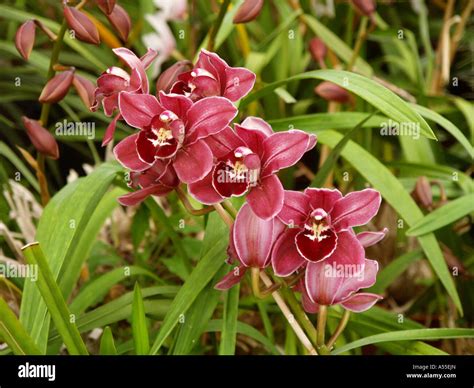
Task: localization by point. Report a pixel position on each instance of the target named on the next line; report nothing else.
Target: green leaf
(62, 227)
(443, 216)
(394, 193)
(54, 300)
(197, 317)
(406, 335)
(139, 326)
(336, 44)
(229, 323)
(322, 121)
(18, 163)
(392, 271)
(107, 344)
(243, 328)
(375, 94)
(212, 258)
(446, 124)
(329, 163)
(14, 334)
(121, 308)
(96, 290)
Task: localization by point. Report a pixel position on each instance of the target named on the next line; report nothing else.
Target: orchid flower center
(161, 133)
(317, 225)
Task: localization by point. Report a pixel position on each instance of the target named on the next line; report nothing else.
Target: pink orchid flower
(160, 179)
(212, 76)
(172, 128)
(115, 80)
(250, 244)
(247, 161)
(337, 281)
(321, 222)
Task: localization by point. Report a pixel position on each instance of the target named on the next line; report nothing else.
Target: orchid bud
(332, 92)
(57, 87)
(365, 7)
(82, 26)
(248, 11)
(120, 21)
(41, 138)
(25, 38)
(318, 50)
(422, 192)
(85, 89)
(106, 6)
(166, 80)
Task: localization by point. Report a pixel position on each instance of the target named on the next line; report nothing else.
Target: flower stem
(224, 215)
(360, 40)
(255, 275)
(322, 317)
(45, 109)
(339, 329)
(217, 25)
(300, 314)
(190, 209)
(289, 316)
(230, 208)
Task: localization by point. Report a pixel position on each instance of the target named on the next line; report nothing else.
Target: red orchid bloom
(336, 281)
(247, 161)
(212, 76)
(160, 179)
(172, 129)
(250, 244)
(115, 80)
(321, 222)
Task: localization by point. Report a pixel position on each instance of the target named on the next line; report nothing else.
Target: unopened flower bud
(248, 11)
(318, 51)
(332, 92)
(25, 38)
(166, 80)
(120, 21)
(85, 89)
(107, 6)
(41, 138)
(365, 7)
(422, 192)
(57, 87)
(82, 26)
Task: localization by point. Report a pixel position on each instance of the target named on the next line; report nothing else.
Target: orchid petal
(295, 208)
(139, 109)
(266, 199)
(323, 198)
(253, 238)
(285, 257)
(356, 208)
(368, 239)
(193, 162)
(361, 302)
(126, 153)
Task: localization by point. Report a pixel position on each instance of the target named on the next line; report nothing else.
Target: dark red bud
(318, 49)
(422, 192)
(248, 11)
(120, 21)
(332, 92)
(82, 26)
(365, 7)
(57, 87)
(42, 139)
(107, 6)
(85, 89)
(166, 80)
(25, 38)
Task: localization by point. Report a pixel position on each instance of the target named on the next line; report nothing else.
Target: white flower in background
(163, 40)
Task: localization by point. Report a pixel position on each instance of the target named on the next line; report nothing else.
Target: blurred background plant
(141, 279)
